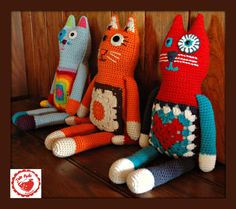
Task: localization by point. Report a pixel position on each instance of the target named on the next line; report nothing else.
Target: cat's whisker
(111, 59)
(114, 56)
(187, 60)
(115, 52)
(163, 54)
(188, 63)
(188, 56)
(164, 60)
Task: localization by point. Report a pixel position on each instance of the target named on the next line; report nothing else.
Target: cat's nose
(64, 42)
(172, 55)
(103, 51)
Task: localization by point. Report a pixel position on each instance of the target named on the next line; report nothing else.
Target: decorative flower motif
(103, 112)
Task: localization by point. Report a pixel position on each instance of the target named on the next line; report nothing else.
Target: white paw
(82, 111)
(52, 137)
(119, 170)
(143, 140)
(207, 162)
(70, 120)
(140, 181)
(133, 130)
(118, 140)
(64, 147)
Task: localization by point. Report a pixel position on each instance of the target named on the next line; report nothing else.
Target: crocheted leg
(122, 167)
(123, 139)
(66, 147)
(18, 115)
(29, 122)
(81, 129)
(145, 179)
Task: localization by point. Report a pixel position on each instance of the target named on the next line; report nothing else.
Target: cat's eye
(72, 34)
(117, 39)
(189, 43)
(61, 34)
(169, 42)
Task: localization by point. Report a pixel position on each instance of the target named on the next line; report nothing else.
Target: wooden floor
(86, 174)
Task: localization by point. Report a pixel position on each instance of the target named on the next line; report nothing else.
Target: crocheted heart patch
(172, 130)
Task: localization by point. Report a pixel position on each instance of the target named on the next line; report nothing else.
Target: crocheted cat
(178, 118)
(112, 98)
(69, 79)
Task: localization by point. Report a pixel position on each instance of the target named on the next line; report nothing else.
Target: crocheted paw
(74, 120)
(140, 181)
(52, 137)
(45, 103)
(26, 122)
(118, 140)
(119, 170)
(82, 111)
(143, 140)
(72, 106)
(64, 147)
(133, 129)
(207, 162)
(16, 116)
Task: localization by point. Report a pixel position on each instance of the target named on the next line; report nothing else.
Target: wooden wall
(35, 53)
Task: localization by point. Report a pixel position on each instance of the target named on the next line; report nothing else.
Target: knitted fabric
(69, 79)
(182, 120)
(112, 97)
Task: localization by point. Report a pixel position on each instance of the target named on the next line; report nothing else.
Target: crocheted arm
(207, 156)
(77, 90)
(133, 112)
(84, 107)
(49, 101)
(146, 123)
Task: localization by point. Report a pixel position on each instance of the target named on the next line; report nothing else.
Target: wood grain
(19, 82)
(214, 84)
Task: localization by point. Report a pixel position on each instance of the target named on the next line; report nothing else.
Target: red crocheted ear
(177, 26)
(198, 25)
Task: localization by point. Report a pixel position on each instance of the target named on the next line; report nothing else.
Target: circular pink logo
(25, 183)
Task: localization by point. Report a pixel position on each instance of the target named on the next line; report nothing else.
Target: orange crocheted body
(114, 94)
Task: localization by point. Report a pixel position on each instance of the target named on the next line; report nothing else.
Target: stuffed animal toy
(112, 98)
(69, 79)
(179, 120)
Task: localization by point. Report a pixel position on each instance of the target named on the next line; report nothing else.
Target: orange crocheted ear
(131, 25)
(114, 24)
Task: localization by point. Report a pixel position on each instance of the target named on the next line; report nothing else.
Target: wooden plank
(98, 22)
(214, 84)
(54, 23)
(41, 73)
(19, 83)
(60, 178)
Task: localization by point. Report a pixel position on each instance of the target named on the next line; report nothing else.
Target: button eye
(72, 34)
(117, 39)
(189, 43)
(168, 42)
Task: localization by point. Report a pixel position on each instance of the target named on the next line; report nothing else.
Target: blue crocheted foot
(26, 122)
(16, 116)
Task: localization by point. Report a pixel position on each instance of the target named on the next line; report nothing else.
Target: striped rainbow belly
(63, 86)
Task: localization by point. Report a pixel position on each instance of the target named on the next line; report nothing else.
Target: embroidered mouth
(181, 58)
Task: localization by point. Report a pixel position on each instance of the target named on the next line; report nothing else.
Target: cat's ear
(70, 21)
(83, 22)
(114, 24)
(198, 25)
(131, 24)
(177, 25)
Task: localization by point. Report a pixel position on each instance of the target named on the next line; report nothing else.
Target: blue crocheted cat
(69, 79)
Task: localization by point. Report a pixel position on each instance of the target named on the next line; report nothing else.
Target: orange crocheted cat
(112, 98)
